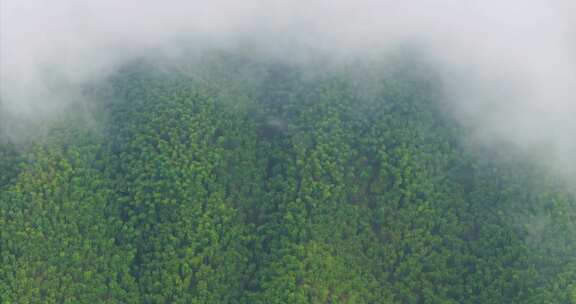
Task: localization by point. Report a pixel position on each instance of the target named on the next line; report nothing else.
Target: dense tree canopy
(248, 181)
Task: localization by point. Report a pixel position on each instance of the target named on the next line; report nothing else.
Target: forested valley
(238, 180)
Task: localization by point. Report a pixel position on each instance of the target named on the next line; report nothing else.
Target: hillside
(251, 181)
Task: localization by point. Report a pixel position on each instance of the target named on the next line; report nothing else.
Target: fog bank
(508, 67)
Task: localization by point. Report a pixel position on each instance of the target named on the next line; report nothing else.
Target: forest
(241, 180)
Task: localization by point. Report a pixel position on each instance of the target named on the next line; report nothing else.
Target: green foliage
(257, 182)
(10, 161)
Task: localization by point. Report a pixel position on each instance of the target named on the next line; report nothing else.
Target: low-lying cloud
(508, 67)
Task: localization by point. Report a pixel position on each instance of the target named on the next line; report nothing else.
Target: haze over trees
(237, 180)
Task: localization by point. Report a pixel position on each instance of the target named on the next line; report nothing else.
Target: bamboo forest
(232, 179)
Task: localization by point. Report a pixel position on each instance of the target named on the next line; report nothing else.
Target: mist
(508, 67)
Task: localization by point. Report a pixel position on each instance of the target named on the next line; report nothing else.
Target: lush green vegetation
(243, 181)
